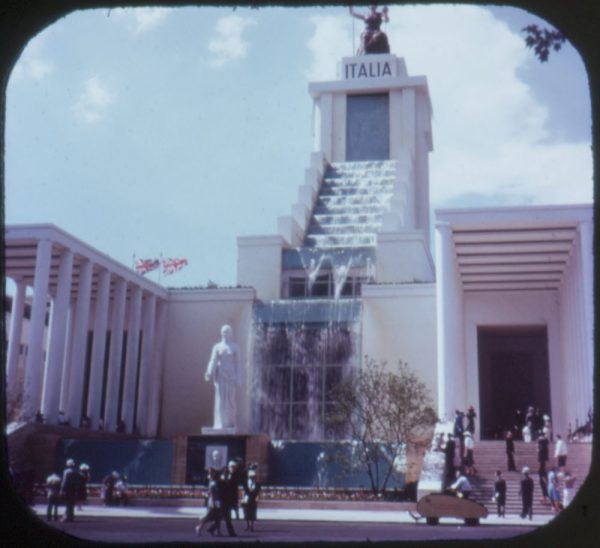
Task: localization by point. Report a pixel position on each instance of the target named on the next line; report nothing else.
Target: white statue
(223, 371)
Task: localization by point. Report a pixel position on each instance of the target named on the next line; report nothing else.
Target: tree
(386, 414)
(543, 40)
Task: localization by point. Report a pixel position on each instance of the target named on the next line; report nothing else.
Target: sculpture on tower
(373, 39)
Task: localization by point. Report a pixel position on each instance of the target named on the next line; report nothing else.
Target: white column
(578, 365)
(586, 232)
(57, 341)
(450, 351)
(98, 348)
(14, 343)
(66, 370)
(33, 369)
(116, 349)
(80, 334)
(155, 388)
(133, 338)
(147, 363)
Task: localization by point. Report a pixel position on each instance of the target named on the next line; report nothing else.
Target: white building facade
(502, 319)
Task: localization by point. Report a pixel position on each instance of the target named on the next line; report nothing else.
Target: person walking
(121, 496)
(500, 494)
(84, 472)
(469, 460)
(459, 433)
(553, 492)
(568, 489)
(228, 495)
(543, 480)
(108, 488)
(560, 452)
(69, 489)
(213, 505)
(526, 492)
(542, 451)
(250, 500)
(53, 494)
(449, 454)
(510, 452)
(471, 416)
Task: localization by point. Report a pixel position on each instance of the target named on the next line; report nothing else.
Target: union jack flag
(170, 266)
(142, 266)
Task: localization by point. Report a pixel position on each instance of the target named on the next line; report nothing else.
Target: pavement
(289, 514)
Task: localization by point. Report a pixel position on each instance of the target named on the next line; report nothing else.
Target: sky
(175, 130)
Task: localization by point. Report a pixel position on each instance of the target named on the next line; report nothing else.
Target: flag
(142, 266)
(170, 266)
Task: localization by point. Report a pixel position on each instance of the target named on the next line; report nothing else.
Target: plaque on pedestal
(210, 431)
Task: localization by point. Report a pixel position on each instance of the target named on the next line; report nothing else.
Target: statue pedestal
(209, 431)
(214, 448)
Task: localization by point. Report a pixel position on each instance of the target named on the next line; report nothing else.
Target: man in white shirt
(560, 452)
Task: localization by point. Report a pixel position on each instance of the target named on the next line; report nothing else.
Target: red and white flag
(170, 266)
(142, 266)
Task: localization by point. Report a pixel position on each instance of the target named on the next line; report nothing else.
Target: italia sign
(367, 69)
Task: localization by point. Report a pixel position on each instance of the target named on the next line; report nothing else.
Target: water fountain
(310, 340)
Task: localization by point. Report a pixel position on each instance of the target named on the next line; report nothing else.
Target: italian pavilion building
(501, 319)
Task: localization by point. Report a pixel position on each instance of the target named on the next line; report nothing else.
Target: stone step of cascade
(349, 208)
(341, 228)
(346, 218)
(353, 200)
(366, 168)
(490, 456)
(339, 241)
(346, 190)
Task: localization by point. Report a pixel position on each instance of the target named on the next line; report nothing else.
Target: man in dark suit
(543, 453)
(228, 494)
(510, 452)
(69, 489)
(449, 451)
(500, 494)
(526, 493)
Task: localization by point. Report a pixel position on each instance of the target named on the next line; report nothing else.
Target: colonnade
(94, 341)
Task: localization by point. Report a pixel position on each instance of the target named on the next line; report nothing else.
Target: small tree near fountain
(387, 414)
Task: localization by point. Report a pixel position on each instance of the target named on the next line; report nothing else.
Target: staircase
(491, 456)
(350, 205)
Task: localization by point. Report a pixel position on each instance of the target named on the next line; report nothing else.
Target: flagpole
(160, 266)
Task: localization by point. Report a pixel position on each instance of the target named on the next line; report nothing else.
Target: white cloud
(141, 20)
(32, 63)
(331, 40)
(228, 44)
(93, 103)
(491, 136)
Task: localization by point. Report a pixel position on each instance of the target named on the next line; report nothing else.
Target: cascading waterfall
(305, 346)
(302, 349)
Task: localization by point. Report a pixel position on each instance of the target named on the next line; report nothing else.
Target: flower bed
(267, 493)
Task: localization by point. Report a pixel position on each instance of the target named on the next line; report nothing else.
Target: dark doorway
(368, 127)
(513, 374)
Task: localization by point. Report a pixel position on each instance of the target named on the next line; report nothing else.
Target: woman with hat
(250, 500)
